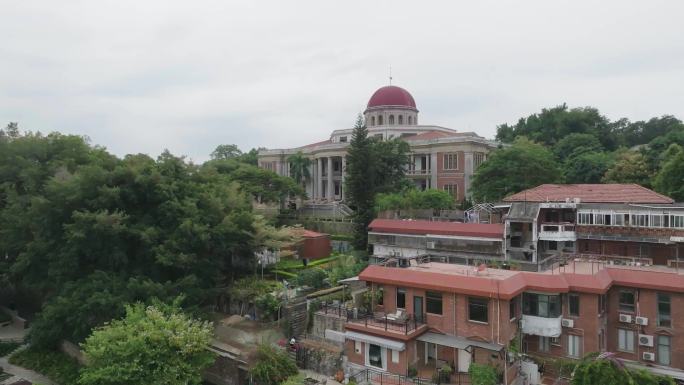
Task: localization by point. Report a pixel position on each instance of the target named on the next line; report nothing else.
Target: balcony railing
(404, 324)
(557, 232)
(418, 172)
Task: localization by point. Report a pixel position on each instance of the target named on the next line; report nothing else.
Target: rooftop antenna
(390, 74)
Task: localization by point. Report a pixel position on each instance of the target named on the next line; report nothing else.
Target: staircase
(297, 315)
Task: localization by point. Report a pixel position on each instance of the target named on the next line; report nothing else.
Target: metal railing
(375, 377)
(379, 320)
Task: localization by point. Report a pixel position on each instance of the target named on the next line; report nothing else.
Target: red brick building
(428, 315)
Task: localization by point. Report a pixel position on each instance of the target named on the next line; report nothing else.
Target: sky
(144, 76)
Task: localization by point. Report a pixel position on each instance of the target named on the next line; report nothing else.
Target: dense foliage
(151, 345)
(414, 199)
(87, 232)
(56, 365)
(482, 374)
(522, 165)
(586, 147)
(608, 370)
(273, 366)
(7, 347)
(373, 167)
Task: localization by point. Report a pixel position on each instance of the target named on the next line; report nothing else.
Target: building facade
(440, 157)
(625, 223)
(433, 314)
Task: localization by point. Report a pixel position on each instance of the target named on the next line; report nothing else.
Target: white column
(433, 170)
(319, 178)
(331, 188)
(344, 171)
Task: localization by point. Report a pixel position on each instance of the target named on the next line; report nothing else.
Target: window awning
(384, 342)
(457, 342)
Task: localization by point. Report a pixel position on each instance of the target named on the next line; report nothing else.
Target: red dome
(391, 96)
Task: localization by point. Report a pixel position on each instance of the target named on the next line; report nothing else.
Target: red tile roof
(590, 193)
(400, 226)
(514, 284)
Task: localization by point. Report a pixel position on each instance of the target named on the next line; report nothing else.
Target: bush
(56, 365)
(482, 374)
(4, 317)
(314, 278)
(8, 347)
(268, 305)
(273, 366)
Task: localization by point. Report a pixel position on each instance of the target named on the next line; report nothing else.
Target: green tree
(587, 167)
(629, 167)
(150, 345)
(575, 144)
(357, 182)
(273, 366)
(511, 169)
(226, 151)
(299, 167)
(607, 369)
(670, 178)
(414, 199)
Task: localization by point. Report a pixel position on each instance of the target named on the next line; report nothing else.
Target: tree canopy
(414, 199)
(150, 345)
(510, 169)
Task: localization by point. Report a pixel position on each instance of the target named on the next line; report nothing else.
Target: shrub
(8, 347)
(272, 366)
(314, 278)
(482, 374)
(268, 305)
(4, 317)
(54, 364)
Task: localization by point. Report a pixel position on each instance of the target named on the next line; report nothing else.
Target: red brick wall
(659, 253)
(316, 248)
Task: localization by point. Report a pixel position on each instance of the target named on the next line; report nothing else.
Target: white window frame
(574, 346)
(625, 340)
(452, 189)
(383, 357)
(450, 161)
(659, 357)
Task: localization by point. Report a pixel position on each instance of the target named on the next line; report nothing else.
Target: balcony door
(418, 308)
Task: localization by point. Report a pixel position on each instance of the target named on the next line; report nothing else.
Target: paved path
(24, 373)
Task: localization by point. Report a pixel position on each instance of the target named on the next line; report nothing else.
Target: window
(357, 347)
(433, 302)
(541, 305)
(478, 309)
(375, 356)
(677, 221)
(640, 220)
(373, 121)
(664, 350)
(450, 161)
(626, 300)
(602, 304)
(395, 356)
(619, 219)
(555, 341)
(401, 119)
(401, 298)
(625, 340)
(585, 218)
(410, 120)
(574, 346)
(513, 309)
(391, 119)
(478, 159)
(657, 220)
(380, 120)
(573, 304)
(544, 344)
(381, 295)
(664, 310)
(343, 139)
(452, 189)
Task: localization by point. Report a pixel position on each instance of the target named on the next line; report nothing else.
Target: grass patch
(8, 347)
(340, 237)
(54, 364)
(323, 260)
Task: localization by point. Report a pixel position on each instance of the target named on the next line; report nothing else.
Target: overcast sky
(141, 76)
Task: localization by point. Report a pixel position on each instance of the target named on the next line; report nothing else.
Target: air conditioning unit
(648, 356)
(431, 245)
(625, 318)
(567, 323)
(645, 340)
(641, 321)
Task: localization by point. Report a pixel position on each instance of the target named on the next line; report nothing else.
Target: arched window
(379, 120)
(410, 122)
(391, 119)
(401, 119)
(373, 121)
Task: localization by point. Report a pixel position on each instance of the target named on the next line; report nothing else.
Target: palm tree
(299, 167)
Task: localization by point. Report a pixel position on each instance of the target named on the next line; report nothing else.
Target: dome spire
(390, 74)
